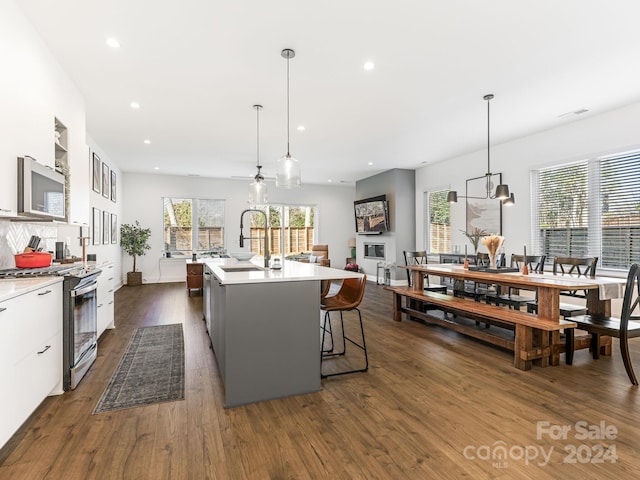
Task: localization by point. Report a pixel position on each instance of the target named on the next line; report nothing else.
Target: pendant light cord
(488, 138)
(288, 154)
(258, 137)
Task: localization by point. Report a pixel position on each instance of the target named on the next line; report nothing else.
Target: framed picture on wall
(95, 230)
(106, 227)
(484, 213)
(113, 186)
(105, 180)
(114, 228)
(96, 173)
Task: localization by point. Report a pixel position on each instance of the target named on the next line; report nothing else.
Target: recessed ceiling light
(301, 128)
(113, 42)
(147, 142)
(369, 66)
(369, 163)
(156, 168)
(134, 105)
(329, 180)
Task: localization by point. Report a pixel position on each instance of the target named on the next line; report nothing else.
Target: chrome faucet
(267, 253)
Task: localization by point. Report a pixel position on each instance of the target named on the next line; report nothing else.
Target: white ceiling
(197, 66)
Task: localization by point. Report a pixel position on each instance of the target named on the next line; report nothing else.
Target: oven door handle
(82, 291)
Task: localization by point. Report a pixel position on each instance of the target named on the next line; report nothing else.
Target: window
(291, 229)
(589, 208)
(438, 234)
(193, 224)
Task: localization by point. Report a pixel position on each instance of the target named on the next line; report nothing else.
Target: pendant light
(258, 193)
(502, 190)
(287, 168)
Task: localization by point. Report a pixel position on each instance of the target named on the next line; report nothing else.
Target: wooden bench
(535, 339)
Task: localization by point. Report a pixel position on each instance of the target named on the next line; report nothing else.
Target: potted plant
(133, 240)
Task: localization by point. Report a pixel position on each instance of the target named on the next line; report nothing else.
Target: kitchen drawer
(29, 381)
(105, 314)
(29, 320)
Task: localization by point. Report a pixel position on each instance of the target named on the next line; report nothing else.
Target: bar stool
(347, 299)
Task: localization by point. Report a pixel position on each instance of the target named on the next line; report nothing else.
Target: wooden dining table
(600, 290)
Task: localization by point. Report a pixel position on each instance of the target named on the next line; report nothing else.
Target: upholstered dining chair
(347, 299)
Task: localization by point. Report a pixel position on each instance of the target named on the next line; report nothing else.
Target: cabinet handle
(111, 290)
(3, 309)
(4, 210)
(110, 278)
(99, 305)
(44, 293)
(110, 302)
(45, 349)
(110, 266)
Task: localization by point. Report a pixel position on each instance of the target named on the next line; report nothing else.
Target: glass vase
(492, 259)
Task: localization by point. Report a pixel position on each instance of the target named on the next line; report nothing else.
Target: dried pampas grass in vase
(492, 243)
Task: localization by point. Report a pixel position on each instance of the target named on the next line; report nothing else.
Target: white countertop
(291, 271)
(13, 287)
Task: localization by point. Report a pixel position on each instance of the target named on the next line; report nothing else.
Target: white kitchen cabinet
(106, 282)
(75, 166)
(30, 354)
(79, 191)
(9, 188)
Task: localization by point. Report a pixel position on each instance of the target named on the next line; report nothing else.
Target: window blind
(620, 204)
(589, 208)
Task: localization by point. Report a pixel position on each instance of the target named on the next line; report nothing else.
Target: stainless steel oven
(80, 326)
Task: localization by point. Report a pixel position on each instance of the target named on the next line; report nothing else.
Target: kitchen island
(264, 327)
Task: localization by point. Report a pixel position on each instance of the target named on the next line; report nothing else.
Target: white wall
(142, 202)
(609, 132)
(34, 89)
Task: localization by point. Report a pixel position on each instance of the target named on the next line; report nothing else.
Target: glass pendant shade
(287, 172)
(258, 192)
(452, 197)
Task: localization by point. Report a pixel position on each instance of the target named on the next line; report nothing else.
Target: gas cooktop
(54, 270)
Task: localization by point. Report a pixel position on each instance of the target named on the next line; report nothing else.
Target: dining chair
(625, 327)
(347, 299)
(479, 291)
(512, 298)
(571, 265)
(420, 258)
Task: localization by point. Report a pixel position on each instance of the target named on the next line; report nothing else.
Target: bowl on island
(242, 256)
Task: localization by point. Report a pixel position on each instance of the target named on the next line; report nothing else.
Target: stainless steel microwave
(40, 190)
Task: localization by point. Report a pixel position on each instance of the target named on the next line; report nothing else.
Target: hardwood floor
(434, 404)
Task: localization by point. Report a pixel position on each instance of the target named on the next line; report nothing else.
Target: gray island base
(265, 329)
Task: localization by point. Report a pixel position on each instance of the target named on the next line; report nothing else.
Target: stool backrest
(351, 292)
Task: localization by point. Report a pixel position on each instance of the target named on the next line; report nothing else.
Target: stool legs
(326, 354)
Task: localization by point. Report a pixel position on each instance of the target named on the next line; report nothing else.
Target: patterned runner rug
(150, 371)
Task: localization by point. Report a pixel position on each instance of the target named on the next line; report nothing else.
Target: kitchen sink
(244, 268)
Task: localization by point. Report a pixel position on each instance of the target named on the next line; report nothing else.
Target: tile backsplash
(14, 236)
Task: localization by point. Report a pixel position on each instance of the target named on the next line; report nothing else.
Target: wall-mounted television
(372, 215)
